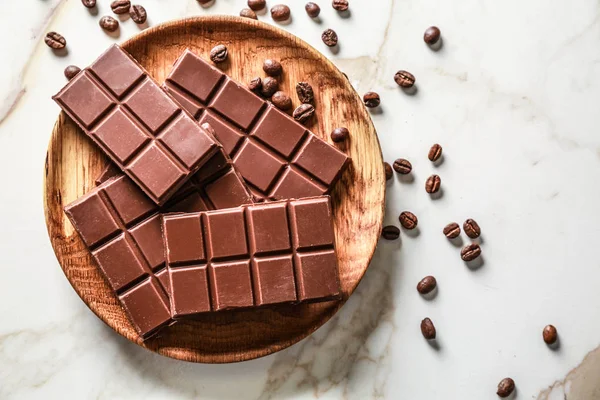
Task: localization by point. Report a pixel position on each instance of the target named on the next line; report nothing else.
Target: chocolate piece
(110, 170)
(277, 157)
(255, 255)
(151, 138)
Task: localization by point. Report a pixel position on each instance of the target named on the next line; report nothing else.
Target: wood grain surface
(73, 162)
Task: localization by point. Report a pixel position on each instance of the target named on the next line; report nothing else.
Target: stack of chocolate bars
(215, 200)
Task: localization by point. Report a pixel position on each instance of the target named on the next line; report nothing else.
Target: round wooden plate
(73, 162)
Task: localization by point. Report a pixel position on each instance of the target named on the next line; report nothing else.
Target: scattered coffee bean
(432, 185)
(340, 5)
(280, 13)
(426, 285)
(390, 232)
(269, 86)
(218, 54)
(550, 334)
(303, 113)
(404, 79)
(505, 387)
(138, 14)
(432, 35)
(109, 24)
(472, 228)
(204, 1)
(371, 99)
(402, 166)
(408, 220)
(329, 37)
(89, 3)
(257, 5)
(389, 174)
(313, 10)
(120, 6)
(427, 329)
(305, 92)
(339, 134)
(255, 84)
(55, 40)
(248, 13)
(470, 252)
(272, 67)
(435, 152)
(452, 230)
(281, 100)
(71, 71)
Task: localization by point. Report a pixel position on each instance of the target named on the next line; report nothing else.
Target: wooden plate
(73, 162)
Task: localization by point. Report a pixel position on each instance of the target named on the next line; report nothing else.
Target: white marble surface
(512, 98)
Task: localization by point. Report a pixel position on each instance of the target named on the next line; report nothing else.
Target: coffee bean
(339, 134)
(280, 13)
(305, 92)
(272, 67)
(427, 329)
(435, 152)
(248, 13)
(281, 100)
(55, 40)
(312, 9)
(390, 232)
(389, 174)
(303, 113)
(432, 185)
(120, 6)
(138, 14)
(404, 79)
(505, 387)
(472, 228)
(408, 220)
(89, 3)
(71, 71)
(329, 37)
(218, 54)
(109, 24)
(470, 252)
(402, 166)
(550, 334)
(255, 84)
(269, 86)
(452, 230)
(340, 5)
(204, 1)
(432, 35)
(371, 99)
(257, 5)
(426, 285)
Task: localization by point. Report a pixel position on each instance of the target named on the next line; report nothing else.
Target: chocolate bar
(278, 157)
(144, 132)
(254, 255)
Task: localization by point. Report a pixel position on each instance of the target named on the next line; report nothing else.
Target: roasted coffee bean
(281, 100)
(255, 84)
(371, 99)
(204, 1)
(272, 67)
(55, 40)
(432, 35)
(550, 334)
(89, 3)
(138, 14)
(472, 228)
(109, 24)
(248, 13)
(389, 174)
(269, 86)
(452, 230)
(329, 37)
(432, 185)
(408, 220)
(313, 10)
(402, 166)
(435, 152)
(426, 285)
(303, 113)
(280, 13)
(71, 71)
(505, 387)
(470, 252)
(404, 79)
(340, 5)
(218, 54)
(390, 232)
(120, 6)
(305, 92)
(428, 329)
(339, 134)
(257, 5)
